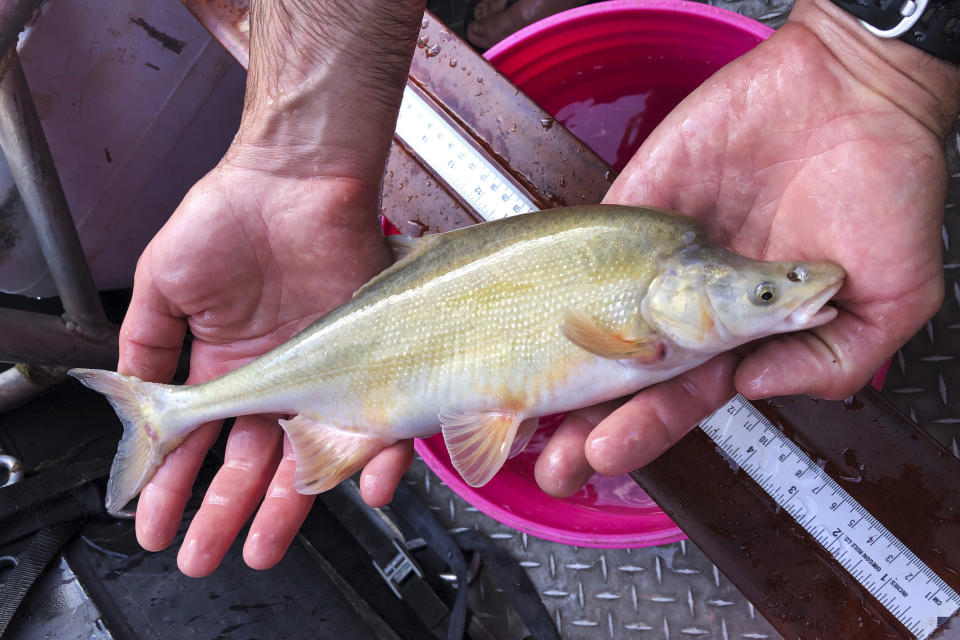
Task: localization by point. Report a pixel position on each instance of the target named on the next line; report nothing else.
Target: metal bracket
(911, 10)
(401, 566)
(13, 467)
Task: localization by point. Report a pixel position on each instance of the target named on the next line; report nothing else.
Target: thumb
(151, 336)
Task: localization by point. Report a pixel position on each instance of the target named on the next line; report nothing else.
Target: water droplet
(422, 41)
(453, 62)
(424, 24)
(433, 51)
(546, 122)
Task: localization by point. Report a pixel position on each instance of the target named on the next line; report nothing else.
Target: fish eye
(765, 293)
(797, 274)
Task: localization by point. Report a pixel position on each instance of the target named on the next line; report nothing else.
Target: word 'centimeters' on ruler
(883, 565)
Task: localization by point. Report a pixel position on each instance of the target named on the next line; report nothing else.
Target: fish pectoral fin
(583, 331)
(327, 456)
(479, 443)
(524, 432)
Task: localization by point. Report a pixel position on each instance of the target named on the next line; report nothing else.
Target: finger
(832, 361)
(162, 501)
(382, 474)
(653, 420)
(562, 468)
(151, 335)
(279, 517)
(250, 460)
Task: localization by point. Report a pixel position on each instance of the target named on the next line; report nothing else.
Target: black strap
(417, 515)
(36, 489)
(515, 581)
(937, 31)
(54, 503)
(81, 503)
(30, 565)
(510, 576)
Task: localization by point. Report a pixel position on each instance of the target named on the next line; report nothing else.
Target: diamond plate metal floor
(670, 591)
(674, 591)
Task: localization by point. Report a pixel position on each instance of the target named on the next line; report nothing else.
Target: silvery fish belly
(477, 332)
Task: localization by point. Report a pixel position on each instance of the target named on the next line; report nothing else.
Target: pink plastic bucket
(609, 72)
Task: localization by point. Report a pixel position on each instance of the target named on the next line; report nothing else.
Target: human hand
(283, 230)
(823, 143)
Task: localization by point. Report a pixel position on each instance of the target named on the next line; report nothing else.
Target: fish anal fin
(479, 443)
(326, 456)
(583, 331)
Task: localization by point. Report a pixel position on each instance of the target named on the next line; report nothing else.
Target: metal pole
(27, 153)
(22, 383)
(50, 340)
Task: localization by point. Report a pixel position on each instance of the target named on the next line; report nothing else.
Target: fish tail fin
(327, 456)
(145, 442)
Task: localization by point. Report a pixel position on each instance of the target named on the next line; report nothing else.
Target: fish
(477, 332)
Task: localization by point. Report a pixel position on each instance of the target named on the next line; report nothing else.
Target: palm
(773, 158)
(783, 156)
(286, 254)
(247, 260)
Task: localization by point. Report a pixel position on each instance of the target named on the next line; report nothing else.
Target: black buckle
(401, 566)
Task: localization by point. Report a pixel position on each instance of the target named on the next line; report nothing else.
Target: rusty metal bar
(22, 383)
(13, 15)
(27, 153)
(50, 340)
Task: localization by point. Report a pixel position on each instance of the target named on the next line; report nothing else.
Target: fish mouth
(815, 311)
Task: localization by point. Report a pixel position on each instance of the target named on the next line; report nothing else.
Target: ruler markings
(833, 518)
(841, 525)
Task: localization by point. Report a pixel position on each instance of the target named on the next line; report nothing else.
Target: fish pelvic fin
(479, 443)
(144, 443)
(524, 433)
(583, 331)
(326, 456)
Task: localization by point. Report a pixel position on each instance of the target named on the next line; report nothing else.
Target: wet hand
(814, 146)
(283, 230)
(238, 264)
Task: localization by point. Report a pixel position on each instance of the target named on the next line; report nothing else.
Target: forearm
(324, 85)
(924, 86)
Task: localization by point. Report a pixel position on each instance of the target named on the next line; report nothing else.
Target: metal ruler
(893, 574)
(466, 169)
(910, 590)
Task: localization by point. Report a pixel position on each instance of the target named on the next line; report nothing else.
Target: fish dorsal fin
(401, 245)
(404, 249)
(479, 442)
(327, 456)
(524, 432)
(583, 331)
